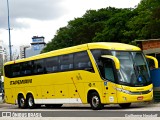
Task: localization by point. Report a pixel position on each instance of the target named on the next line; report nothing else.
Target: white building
(22, 50)
(3, 54)
(36, 47)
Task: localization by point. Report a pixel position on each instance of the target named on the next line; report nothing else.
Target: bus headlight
(124, 91)
(150, 89)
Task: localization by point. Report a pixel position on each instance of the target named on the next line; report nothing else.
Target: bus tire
(53, 105)
(21, 102)
(125, 105)
(95, 101)
(30, 101)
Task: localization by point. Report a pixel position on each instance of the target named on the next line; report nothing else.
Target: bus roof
(96, 45)
(113, 46)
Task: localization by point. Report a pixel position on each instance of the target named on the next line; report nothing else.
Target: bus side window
(55, 68)
(16, 70)
(66, 62)
(38, 67)
(82, 61)
(52, 64)
(97, 56)
(26, 68)
(8, 71)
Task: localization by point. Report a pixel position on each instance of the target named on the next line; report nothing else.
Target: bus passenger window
(26, 68)
(7, 71)
(82, 65)
(82, 61)
(70, 66)
(16, 70)
(55, 68)
(66, 62)
(64, 67)
(51, 64)
(38, 66)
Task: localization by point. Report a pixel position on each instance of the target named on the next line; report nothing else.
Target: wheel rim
(30, 102)
(95, 101)
(22, 102)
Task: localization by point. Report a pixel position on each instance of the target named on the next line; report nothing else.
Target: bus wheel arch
(93, 98)
(21, 101)
(30, 101)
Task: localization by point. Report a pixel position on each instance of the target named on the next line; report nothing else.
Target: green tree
(145, 24)
(110, 25)
(115, 27)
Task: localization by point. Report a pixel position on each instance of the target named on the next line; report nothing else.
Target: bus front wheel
(95, 101)
(30, 101)
(21, 101)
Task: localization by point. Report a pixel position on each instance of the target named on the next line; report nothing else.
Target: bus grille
(141, 92)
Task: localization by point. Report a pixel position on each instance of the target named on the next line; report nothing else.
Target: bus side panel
(85, 81)
(15, 94)
(31, 90)
(61, 91)
(73, 92)
(39, 92)
(94, 86)
(8, 96)
(80, 91)
(12, 94)
(48, 92)
(109, 92)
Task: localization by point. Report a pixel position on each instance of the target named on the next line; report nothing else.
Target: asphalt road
(86, 107)
(79, 111)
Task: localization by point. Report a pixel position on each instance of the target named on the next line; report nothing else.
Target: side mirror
(114, 59)
(154, 59)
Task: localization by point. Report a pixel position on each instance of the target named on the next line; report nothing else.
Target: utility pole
(10, 46)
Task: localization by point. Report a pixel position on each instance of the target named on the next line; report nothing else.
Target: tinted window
(97, 55)
(81, 60)
(109, 70)
(26, 68)
(38, 66)
(52, 64)
(7, 70)
(15, 70)
(77, 61)
(66, 62)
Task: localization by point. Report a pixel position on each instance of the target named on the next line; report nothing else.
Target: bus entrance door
(110, 81)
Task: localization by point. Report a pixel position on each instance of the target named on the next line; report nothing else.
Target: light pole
(10, 46)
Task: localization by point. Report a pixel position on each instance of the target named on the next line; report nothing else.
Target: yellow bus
(94, 73)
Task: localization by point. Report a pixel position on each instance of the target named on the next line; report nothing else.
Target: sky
(30, 18)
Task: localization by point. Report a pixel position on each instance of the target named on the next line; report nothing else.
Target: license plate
(140, 98)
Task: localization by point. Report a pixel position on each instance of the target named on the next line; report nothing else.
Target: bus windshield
(133, 68)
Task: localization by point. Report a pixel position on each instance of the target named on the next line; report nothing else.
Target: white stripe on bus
(55, 101)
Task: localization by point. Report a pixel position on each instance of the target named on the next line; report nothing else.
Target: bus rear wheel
(95, 101)
(30, 101)
(21, 102)
(125, 105)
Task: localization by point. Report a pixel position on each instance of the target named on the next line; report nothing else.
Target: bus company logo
(6, 114)
(21, 114)
(26, 81)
